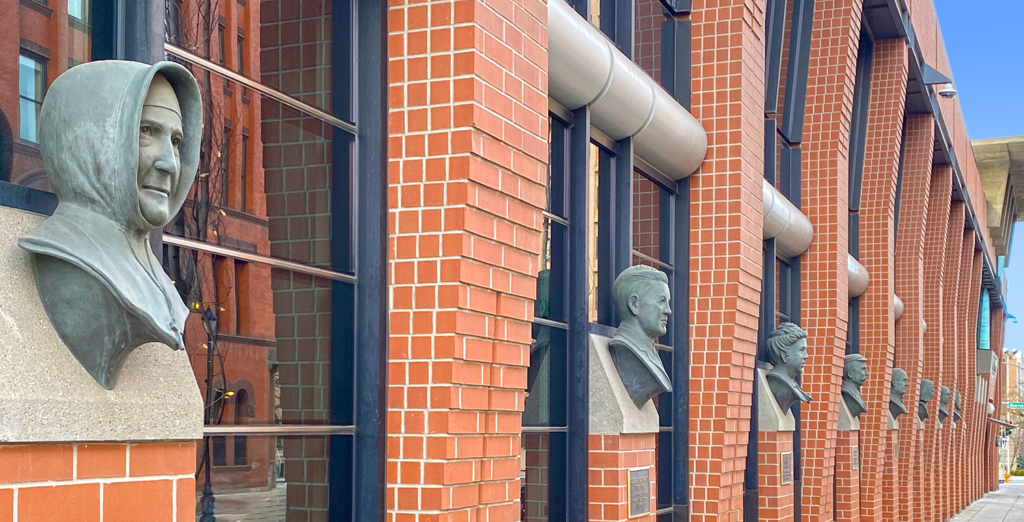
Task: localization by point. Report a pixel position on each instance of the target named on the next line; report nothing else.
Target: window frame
(40, 84)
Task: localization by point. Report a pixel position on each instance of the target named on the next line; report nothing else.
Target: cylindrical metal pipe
(585, 68)
(897, 307)
(791, 229)
(858, 277)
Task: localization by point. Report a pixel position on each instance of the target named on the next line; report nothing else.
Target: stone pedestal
(71, 434)
(891, 421)
(770, 416)
(847, 422)
(622, 445)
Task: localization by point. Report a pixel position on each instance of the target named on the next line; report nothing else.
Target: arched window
(243, 412)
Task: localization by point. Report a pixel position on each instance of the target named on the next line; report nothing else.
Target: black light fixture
(207, 501)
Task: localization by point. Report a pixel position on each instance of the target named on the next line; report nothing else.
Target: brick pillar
(910, 286)
(468, 149)
(995, 394)
(848, 479)
(830, 80)
(877, 212)
(725, 250)
(775, 498)
(936, 230)
(950, 344)
(969, 454)
(114, 482)
(611, 457)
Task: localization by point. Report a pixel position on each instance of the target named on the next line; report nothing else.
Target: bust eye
(145, 130)
(176, 141)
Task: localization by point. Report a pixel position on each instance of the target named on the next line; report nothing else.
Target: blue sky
(985, 43)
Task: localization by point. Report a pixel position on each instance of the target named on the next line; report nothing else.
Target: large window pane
(279, 479)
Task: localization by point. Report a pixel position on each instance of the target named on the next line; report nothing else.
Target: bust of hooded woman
(120, 142)
(787, 351)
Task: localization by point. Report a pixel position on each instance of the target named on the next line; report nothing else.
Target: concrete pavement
(1006, 504)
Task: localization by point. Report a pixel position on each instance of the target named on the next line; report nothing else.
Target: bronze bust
(641, 296)
(855, 372)
(927, 394)
(958, 402)
(120, 142)
(897, 390)
(943, 402)
(787, 351)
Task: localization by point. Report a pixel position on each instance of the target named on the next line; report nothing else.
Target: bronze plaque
(639, 490)
(787, 467)
(856, 457)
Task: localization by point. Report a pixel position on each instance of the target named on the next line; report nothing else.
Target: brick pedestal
(88, 482)
(611, 458)
(775, 496)
(847, 488)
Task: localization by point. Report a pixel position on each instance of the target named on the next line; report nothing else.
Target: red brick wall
(877, 247)
(775, 499)
(848, 480)
(468, 152)
(114, 482)
(725, 249)
(611, 458)
(830, 80)
(910, 286)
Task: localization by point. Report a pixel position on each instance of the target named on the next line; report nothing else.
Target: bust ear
(634, 304)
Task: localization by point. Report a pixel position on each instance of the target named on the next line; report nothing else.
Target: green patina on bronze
(121, 166)
(641, 296)
(787, 351)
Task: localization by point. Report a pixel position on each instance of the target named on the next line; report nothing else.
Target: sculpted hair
(852, 358)
(899, 372)
(784, 335)
(634, 280)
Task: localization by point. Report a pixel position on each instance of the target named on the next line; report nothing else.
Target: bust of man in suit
(958, 402)
(944, 399)
(641, 296)
(787, 351)
(896, 392)
(927, 394)
(855, 372)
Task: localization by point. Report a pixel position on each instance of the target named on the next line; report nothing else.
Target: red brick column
(995, 394)
(944, 475)
(910, 286)
(725, 250)
(825, 180)
(936, 230)
(611, 457)
(848, 480)
(468, 145)
(969, 454)
(877, 213)
(115, 482)
(775, 499)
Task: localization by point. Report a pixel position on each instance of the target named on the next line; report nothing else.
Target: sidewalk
(1006, 504)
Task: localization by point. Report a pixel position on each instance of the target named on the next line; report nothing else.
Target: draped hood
(89, 140)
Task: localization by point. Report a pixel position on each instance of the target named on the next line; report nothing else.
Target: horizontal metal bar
(284, 430)
(548, 322)
(259, 87)
(656, 261)
(256, 258)
(666, 511)
(653, 175)
(556, 218)
(545, 429)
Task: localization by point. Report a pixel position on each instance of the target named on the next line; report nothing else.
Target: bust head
(641, 297)
(927, 390)
(944, 396)
(899, 383)
(855, 369)
(160, 138)
(787, 349)
(957, 400)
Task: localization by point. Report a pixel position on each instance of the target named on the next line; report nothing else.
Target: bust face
(899, 383)
(944, 395)
(927, 391)
(160, 137)
(651, 309)
(793, 358)
(957, 400)
(857, 373)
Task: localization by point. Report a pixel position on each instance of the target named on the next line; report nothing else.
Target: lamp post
(207, 501)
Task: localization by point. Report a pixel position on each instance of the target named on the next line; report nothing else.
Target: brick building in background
(409, 216)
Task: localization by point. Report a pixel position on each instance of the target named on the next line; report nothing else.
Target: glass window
(79, 9)
(31, 84)
(221, 46)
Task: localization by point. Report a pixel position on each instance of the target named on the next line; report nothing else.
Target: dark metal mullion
(680, 280)
(899, 182)
(578, 389)
(617, 24)
(370, 246)
(675, 59)
(794, 291)
(796, 71)
(776, 27)
(622, 240)
(858, 125)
